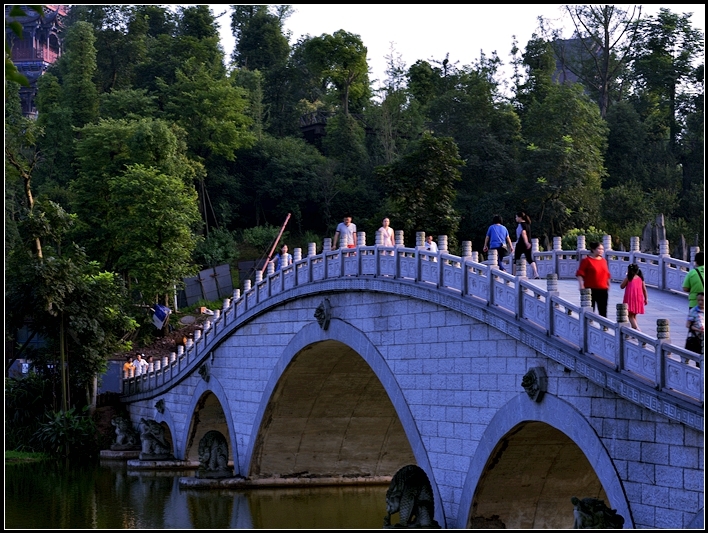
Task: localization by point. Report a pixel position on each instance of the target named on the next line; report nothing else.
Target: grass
(14, 457)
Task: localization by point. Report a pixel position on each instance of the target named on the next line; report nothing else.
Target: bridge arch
(552, 418)
(209, 410)
(378, 397)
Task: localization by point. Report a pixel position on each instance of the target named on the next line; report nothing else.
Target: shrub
(67, 434)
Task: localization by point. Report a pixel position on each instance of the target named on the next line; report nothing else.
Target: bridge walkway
(662, 304)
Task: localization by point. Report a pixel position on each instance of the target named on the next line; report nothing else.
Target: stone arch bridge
(353, 363)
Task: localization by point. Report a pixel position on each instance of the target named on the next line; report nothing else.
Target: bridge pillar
(246, 285)
(312, 247)
(327, 245)
(378, 239)
(361, 238)
(492, 258)
(236, 295)
(259, 276)
(271, 268)
(398, 238)
(581, 245)
(297, 254)
(607, 242)
(442, 244)
(419, 239)
(534, 245)
(475, 256)
(521, 267)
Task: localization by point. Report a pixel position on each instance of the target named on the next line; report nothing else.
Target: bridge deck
(662, 304)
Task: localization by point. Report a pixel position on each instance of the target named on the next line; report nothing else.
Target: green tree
(79, 91)
(161, 211)
(421, 186)
(339, 60)
(600, 50)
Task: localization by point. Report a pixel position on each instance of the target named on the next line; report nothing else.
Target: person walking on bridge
(635, 294)
(346, 230)
(498, 239)
(693, 282)
(594, 274)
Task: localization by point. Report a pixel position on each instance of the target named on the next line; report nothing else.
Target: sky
(430, 31)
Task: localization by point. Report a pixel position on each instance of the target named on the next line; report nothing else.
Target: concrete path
(662, 304)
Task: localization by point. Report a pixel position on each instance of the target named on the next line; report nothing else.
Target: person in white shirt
(282, 260)
(387, 232)
(347, 231)
(430, 244)
(141, 365)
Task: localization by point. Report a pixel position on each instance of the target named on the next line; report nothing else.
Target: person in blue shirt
(497, 238)
(283, 259)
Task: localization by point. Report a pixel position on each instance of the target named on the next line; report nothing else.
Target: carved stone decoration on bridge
(160, 406)
(154, 445)
(204, 372)
(591, 513)
(535, 383)
(213, 457)
(323, 314)
(411, 495)
(127, 438)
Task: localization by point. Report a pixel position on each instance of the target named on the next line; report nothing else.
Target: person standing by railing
(693, 282)
(594, 274)
(347, 231)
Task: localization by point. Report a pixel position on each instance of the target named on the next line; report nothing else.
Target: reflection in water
(108, 496)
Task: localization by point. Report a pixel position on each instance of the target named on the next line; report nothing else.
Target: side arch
(214, 387)
(344, 333)
(561, 416)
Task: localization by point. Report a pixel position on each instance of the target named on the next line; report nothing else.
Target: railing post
(327, 245)
(663, 256)
(419, 239)
(663, 336)
(552, 288)
(607, 242)
(474, 256)
(442, 248)
(312, 247)
(557, 251)
(521, 267)
(585, 306)
(399, 238)
(694, 251)
(361, 238)
(622, 320)
(492, 259)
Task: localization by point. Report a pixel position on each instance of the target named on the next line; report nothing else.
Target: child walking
(635, 294)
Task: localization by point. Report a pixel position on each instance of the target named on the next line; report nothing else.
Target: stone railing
(653, 361)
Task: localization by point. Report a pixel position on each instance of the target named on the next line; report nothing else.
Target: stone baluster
(662, 329)
(198, 332)
(157, 365)
(607, 242)
(586, 298)
(190, 343)
(634, 244)
(259, 276)
(217, 314)
(236, 295)
(226, 304)
(552, 283)
(398, 238)
(151, 367)
(378, 240)
(475, 257)
(622, 313)
(442, 243)
(270, 270)
(361, 238)
(327, 245)
(581, 245)
(165, 362)
(664, 247)
(557, 244)
(312, 248)
(466, 249)
(180, 350)
(694, 251)
(173, 357)
(246, 285)
(297, 254)
(521, 266)
(534, 245)
(492, 258)
(420, 239)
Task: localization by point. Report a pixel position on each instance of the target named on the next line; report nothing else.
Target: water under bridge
(509, 393)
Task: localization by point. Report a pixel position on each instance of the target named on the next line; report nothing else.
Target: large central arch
(352, 418)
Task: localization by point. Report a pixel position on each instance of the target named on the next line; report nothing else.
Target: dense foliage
(153, 154)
